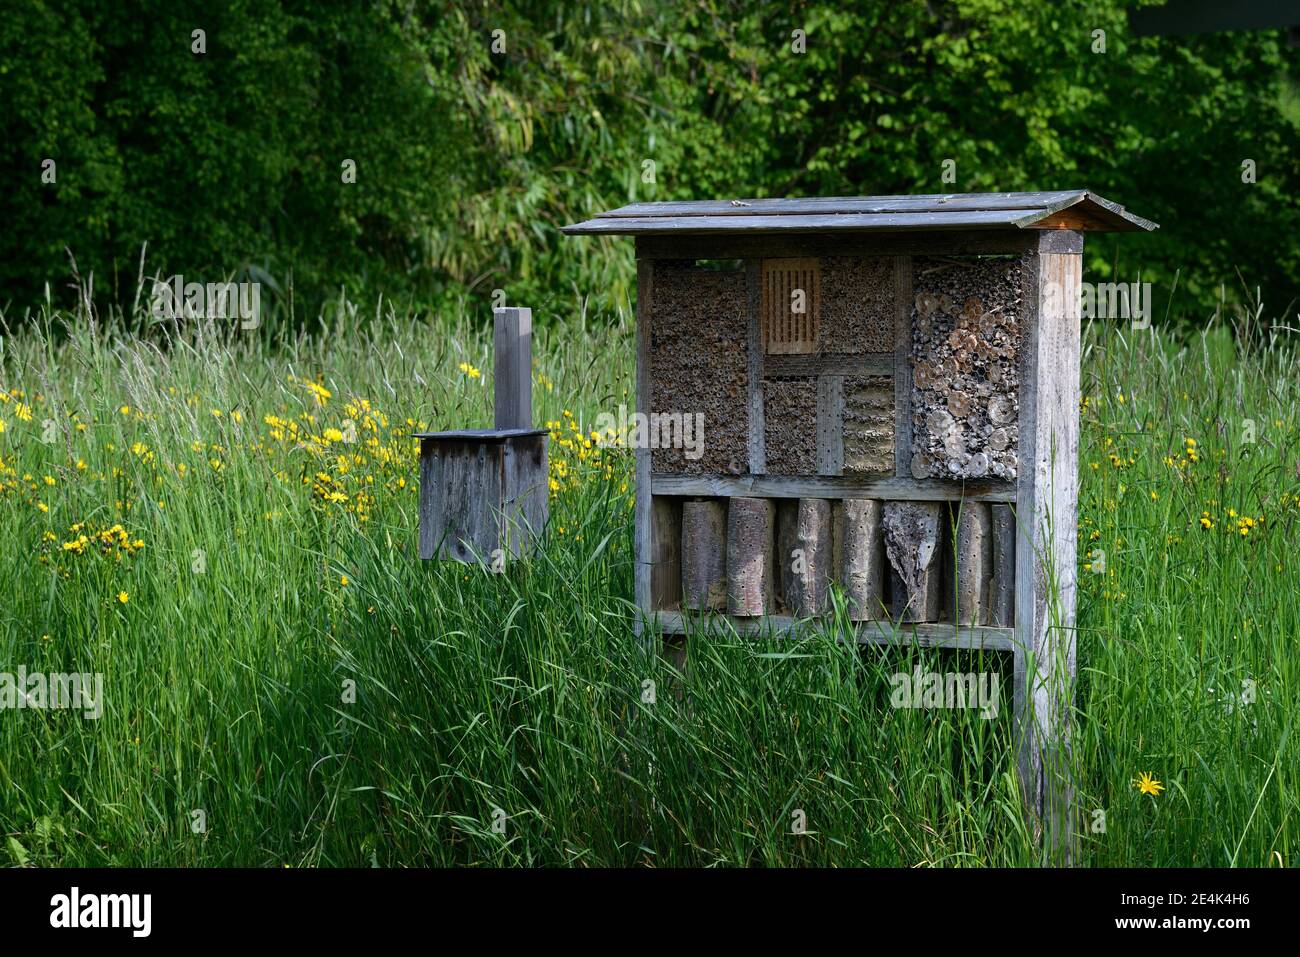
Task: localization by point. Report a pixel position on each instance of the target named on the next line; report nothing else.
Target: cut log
(973, 546)
(804, 555)
(665, 553)
(1002, 586)
(862, 557)
(704, 556)
(749, 556)
(911, 531)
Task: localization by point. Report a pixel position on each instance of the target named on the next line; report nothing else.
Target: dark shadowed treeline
(231, 162)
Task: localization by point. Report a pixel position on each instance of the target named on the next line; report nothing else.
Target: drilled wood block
(973, 547)
(861, 560)
(791, 305)
(804, 555)
(704, 555)
(1002, 586)
(750, 572)
(912, 531)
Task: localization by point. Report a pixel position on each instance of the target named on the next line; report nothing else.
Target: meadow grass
(224, 527)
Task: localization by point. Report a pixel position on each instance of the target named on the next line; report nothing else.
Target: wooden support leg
(1046, 510)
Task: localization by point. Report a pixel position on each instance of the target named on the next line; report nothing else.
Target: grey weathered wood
(829, 363)
(830, 424)
(750, 573)
(973, 562)
(922, 202)
(804, 555)
(823, 486)
(1046, 509)
(858, 245)
(860, 564)
(888, 633)
(512, 384)
(666, 552)
(912, 533)
(704, 555)
(756, 359)
(481, 492)
(861, 214)
(903, 366)
(642, 545)
(1002, 586)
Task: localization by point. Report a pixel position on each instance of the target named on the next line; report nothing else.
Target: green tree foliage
(477, 129)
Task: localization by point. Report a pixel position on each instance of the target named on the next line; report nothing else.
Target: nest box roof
(1061, 209)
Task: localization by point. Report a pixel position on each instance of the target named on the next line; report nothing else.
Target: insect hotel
(889, 388)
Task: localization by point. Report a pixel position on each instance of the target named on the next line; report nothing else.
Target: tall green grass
(426, 714)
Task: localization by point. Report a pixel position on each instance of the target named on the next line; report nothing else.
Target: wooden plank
(801, 223)
(461, 499)
(829, 363)
(903, 367)
(931, 202)
(526, 503)
(750, 573)
(986, 242)
(642, 546)
(830, 425)
(754, 295)
(921, 634)
(512, 384)
(666, 552)
(1021, 209)
(1046, 507)
(830, 486)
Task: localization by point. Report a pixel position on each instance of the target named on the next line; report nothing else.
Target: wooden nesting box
(889, 392)
(484, 494)
(481, 490)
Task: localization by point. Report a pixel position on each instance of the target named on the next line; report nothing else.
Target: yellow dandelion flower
(123, 597)
(1147, 784)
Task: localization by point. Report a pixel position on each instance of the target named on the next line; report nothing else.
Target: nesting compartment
(904, 561)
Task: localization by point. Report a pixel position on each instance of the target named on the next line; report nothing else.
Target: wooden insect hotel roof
(1076, 209)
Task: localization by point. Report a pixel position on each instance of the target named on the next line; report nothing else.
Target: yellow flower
(125, 410)
(123, 597)
(469, 370)
(1148, 784)
(42, 506)
(343, 580)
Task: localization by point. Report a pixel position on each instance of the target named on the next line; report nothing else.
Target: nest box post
(484, 495)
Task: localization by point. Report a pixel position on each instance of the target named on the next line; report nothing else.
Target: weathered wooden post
(900, 373)
(484, 495)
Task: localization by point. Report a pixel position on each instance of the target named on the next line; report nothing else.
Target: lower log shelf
(920, 634)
